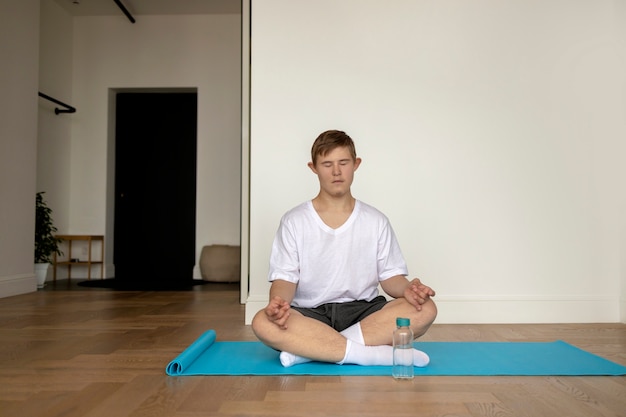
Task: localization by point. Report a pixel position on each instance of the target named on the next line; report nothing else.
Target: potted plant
(46, 243)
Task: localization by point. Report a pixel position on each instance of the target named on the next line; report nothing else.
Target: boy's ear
(357, 163)
(311, 165)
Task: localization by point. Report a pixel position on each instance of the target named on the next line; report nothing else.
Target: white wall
(620, 16)
(54, 131)
(492, 135)
(19, 49)
(107, 52)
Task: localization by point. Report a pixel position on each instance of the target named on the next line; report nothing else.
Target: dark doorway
(155, 187)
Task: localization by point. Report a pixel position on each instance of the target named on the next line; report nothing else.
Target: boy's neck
(334, 211)
(327, 203)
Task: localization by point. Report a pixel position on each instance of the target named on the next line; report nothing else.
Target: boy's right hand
(277, 311)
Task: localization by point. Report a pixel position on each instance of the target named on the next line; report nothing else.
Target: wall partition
(490, 134)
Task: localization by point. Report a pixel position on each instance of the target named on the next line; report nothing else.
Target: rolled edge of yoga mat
(189, 355)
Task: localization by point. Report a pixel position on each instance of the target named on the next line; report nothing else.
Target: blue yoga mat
(206, 356)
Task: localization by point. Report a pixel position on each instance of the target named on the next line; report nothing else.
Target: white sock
(289, 359)
(359, 354)
(353, 333)
(378, 355)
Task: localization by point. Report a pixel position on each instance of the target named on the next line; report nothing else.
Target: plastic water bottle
(402, 350)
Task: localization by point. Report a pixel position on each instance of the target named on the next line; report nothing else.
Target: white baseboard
(508, 309)
(253, 305)
(11, 285)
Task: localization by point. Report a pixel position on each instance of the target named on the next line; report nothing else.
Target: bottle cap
(401, 321)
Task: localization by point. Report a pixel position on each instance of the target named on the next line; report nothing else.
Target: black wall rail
(125, 11)
(67, 109)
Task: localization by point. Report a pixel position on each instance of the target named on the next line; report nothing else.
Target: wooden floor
(93, 352)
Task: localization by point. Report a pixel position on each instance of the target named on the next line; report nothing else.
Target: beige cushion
(220, 263)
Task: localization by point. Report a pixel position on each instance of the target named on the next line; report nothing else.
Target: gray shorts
(340, 316)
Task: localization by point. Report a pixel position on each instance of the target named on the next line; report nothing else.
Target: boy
(328, 257)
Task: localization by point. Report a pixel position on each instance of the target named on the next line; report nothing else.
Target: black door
(155, 184)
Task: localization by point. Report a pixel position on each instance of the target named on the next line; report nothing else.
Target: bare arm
(284, 289)
(414, 291)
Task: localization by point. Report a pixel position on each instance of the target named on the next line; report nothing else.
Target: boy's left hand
(417, 293)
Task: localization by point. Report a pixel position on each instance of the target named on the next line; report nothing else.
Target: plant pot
(41, 272)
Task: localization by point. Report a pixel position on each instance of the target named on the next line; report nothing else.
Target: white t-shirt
(335, 265)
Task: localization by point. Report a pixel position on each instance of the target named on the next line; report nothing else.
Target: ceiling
(150, 7)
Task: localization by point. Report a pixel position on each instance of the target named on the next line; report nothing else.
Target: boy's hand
(277, 311)
(417, 293)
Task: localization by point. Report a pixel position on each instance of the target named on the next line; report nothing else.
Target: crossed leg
(378, 327)
(309, 338)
